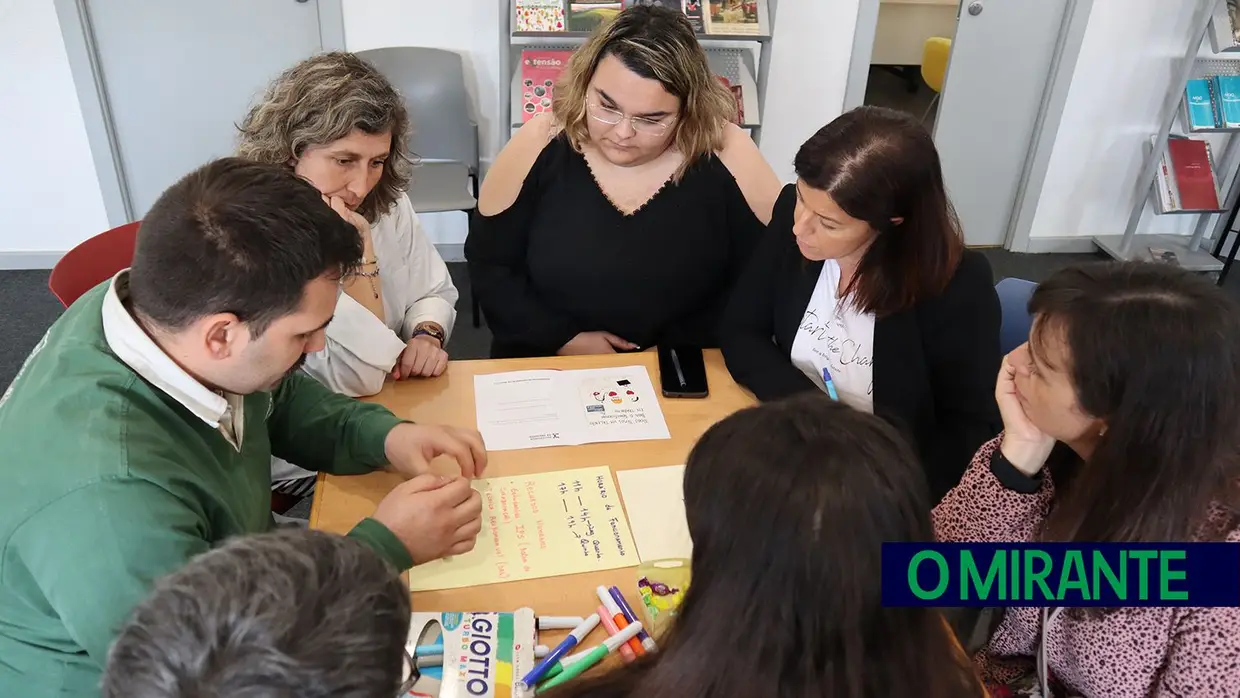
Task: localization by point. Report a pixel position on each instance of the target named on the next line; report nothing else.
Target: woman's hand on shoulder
(754, 176)
(507, 174)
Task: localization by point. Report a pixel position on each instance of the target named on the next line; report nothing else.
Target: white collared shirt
(361, 350)
(135, 347)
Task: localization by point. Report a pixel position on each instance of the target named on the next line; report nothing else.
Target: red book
(1194, 177)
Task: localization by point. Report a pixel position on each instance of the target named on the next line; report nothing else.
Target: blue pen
(428, 651)
(576, 635)
(826, 379)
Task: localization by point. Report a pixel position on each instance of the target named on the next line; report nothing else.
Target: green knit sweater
(107, 483)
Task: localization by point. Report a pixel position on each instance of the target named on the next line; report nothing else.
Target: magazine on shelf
(540, 15)
(539, 71)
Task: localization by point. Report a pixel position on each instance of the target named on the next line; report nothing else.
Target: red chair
(93, 262)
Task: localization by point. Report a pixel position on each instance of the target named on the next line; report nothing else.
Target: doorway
(988, 78)
(162, 85)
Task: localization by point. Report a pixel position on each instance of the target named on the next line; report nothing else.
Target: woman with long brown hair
(862, 288)
(620, 220)
(1120, 417)
(788, 505)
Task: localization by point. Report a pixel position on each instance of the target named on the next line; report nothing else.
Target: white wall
(1129, 58)
(810, 53)
(468, 27)
(49, 194)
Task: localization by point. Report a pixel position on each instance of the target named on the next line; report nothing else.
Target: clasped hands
(433, 515)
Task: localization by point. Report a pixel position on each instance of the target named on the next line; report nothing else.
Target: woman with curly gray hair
(337, 122)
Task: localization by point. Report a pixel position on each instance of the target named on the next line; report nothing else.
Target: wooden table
(341, 501)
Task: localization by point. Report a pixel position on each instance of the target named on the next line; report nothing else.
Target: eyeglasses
(640, 124)
(409, 674)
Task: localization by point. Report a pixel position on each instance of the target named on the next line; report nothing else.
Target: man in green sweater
(140, 431)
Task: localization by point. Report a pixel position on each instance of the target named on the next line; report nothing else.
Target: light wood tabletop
(341, 501)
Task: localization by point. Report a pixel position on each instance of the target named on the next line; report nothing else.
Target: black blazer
(935, 364)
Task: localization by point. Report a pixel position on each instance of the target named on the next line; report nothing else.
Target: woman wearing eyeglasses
(619, 220)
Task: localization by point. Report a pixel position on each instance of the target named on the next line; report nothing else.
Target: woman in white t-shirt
(337, 122)
(862, 288)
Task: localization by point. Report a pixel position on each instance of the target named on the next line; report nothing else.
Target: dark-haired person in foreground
(1120, 418)
(140, 431)
(788, 505)
(291, 613)
(863, 276)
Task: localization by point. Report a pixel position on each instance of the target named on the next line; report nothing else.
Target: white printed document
(532, 409)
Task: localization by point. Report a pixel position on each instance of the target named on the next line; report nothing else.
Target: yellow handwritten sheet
(543, 525)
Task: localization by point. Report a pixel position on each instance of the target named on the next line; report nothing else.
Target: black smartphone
(682, 372)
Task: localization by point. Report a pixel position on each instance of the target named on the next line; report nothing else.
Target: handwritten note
(655, 501)
(543, 525)
(532, 409)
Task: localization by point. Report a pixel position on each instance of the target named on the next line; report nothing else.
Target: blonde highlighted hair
(321, 100)
(657, 44)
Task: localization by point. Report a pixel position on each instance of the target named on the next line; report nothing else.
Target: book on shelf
(540, 69)
(693, 10)
(1185, 178)
(1200, 104)
(723, 17)
(738, 97)
(738, 17)
(540, 15)
(1227, 95)
(588, 15)
(1224, 28)
(1162, 254)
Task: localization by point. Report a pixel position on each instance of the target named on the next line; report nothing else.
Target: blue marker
(826, 379)
(577, 635)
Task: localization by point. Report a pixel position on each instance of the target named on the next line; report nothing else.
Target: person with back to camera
(288, 613)
(338, 123)
(1119, 419)
(620, 221)
(863, 288)
(788, 505)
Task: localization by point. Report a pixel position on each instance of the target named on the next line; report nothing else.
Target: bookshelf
(1212, 23)
(741, 58)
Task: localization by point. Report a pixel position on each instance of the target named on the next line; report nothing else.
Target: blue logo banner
(1061, 574)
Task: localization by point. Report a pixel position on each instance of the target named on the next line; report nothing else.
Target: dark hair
(239, 237)
(788, 505)
(1153, 350)
(878, 164)
(290, 613)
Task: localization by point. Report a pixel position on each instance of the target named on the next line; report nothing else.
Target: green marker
(609, 645)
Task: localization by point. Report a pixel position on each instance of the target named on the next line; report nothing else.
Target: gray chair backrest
(432, 81)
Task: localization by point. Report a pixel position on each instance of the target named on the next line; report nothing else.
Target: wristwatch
(429, 329)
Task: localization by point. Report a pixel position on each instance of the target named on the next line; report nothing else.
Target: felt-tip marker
(647, 642)
(559, 622)
(621, 620)
(830, 384)
(575, 636)
(595, 655)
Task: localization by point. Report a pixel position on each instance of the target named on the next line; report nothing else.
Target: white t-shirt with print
(838, 338)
